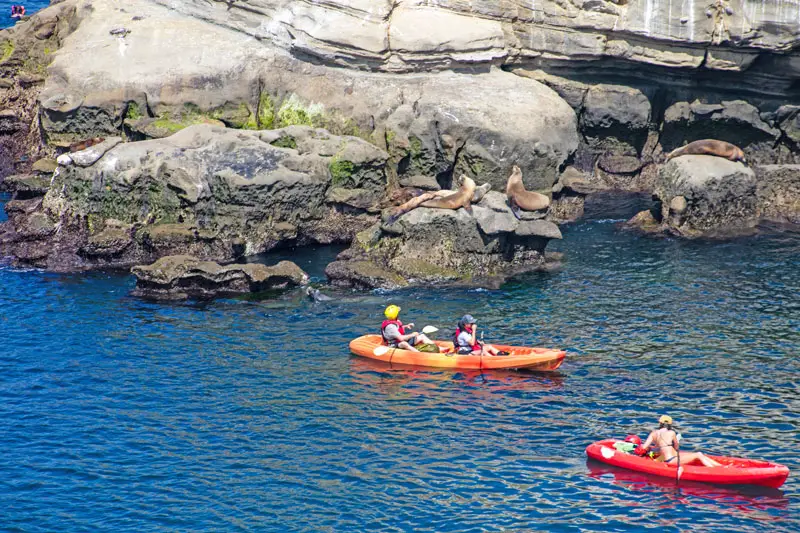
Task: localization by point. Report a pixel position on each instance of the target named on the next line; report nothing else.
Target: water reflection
(748, 500)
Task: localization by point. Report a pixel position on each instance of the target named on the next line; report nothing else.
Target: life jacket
(475, 347)
(389, 322)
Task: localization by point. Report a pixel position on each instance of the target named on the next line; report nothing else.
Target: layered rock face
(177, 277)
(429, 89)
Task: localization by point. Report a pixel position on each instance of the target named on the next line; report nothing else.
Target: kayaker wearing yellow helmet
(666, 442)
(394, 333)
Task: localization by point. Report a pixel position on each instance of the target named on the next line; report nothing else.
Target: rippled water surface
(120, 414)
(31, 7)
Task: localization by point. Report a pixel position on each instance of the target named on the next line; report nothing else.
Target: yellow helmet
(665, 419)
(391, 312)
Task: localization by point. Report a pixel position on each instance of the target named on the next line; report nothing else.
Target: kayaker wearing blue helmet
(466, 340)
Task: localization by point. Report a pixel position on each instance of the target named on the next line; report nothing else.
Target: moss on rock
(341, 171)
(6, 51)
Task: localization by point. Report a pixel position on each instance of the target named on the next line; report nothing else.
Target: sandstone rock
(110, 242)
(27, 185)
(26, 79)
(182, 276)
(213, 192)
(45, 166)
(618, 111)
(778, 192)
(720, 195)
(678, 205)
(619, 164)
(426, 183)
(646, 222)
(363, 274)
(538, 228)
(493, 222)
(9, 122)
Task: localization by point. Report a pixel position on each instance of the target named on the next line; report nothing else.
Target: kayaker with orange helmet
(665, 441)
(394, 333)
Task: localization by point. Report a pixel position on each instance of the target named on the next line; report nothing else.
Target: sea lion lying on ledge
(710, 147)
(519, 198)
(83, 145)
(440, 199)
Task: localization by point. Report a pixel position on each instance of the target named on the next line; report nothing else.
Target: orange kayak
(540, 359)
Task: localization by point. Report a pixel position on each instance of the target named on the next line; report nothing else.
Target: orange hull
(539, 359)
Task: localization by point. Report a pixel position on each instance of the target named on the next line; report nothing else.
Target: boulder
(419, 181)
(183, 276)
(481, 246)
(706, 195)
(45, 166)
(210, 191)
(778, 192)
(618, 112)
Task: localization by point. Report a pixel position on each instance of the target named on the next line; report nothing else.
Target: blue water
(118, 414)
(31, 7)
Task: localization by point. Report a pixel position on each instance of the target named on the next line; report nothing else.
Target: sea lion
(710, 147)
(317, 296)
(480, 192)
(519, 198)
(83, 145)
(440, 199)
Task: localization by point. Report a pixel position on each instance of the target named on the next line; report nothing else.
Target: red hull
(735, 470)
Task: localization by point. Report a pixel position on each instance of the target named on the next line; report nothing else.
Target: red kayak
(734, 470)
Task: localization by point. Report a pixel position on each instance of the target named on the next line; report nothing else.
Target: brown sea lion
(83, 145)
(440, 199)
(710, 147)
(519, 198)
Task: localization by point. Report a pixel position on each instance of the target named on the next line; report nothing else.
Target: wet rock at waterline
(183, 276)
(702, 195)
(429, 245)
(209, 191)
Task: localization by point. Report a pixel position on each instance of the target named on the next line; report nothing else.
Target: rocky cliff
(440, 88)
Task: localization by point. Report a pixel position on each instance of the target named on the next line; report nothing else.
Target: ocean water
(119, 414)
(31, 7)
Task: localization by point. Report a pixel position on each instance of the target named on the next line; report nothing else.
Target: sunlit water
(119, 414)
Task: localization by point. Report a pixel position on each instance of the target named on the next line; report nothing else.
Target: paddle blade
(380, 350)
(427, 330)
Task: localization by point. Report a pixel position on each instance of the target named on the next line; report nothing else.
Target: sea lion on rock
(480, 192)
(440, 199)
(519, 198)
(710, 147)
(83, 145)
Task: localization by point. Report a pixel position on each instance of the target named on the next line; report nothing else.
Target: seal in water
(519, 198)
(440, 199)
(317, 296)
(710, 147)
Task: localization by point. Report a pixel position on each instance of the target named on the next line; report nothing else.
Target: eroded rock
(183, 276)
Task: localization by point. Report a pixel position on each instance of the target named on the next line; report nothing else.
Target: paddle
(427, 330)
(678, 453)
